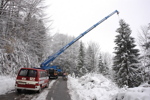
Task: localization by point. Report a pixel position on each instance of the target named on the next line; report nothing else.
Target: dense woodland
(25, 41)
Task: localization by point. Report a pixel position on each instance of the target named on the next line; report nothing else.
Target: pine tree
(80, 67)
(89, 59)
(103, 69)
(126, 58)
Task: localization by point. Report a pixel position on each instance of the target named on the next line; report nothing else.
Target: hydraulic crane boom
(45, 64)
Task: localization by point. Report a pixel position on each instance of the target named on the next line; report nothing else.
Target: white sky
(73, 17)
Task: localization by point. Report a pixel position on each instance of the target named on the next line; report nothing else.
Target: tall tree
(144, 43)
(126, 64)
(81, 57)
(68, 59)
(91, 57)
(102, 67)
(22, 34)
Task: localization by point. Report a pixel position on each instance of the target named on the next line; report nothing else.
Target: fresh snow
(138, 93)
(88, 87)
(91, 87)
(7, 84)
(97, 87)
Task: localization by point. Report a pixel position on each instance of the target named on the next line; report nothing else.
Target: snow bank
(97, 87)
(138, 93)
(91, 87)
(7, 83)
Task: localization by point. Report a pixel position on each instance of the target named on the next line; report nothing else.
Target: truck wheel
(56, 77)
(47, 85)
(19, 90)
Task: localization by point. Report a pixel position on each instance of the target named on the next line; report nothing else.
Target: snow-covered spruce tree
(81, 70)
(126, 64)
(102, 68)
(89, 59)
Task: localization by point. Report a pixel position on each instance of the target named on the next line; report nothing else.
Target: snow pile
(97, 87)
(7, 84)
(91, 87)
(138, 93)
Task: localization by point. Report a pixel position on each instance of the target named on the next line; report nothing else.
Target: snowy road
(57, 91)
(13, 95)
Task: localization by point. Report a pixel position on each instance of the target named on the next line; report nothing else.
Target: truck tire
(19, 90)
(56, 77)
(47, 85)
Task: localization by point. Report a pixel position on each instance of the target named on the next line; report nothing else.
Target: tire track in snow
(43, 94)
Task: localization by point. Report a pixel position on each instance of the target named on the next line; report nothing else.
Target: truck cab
(53, 73)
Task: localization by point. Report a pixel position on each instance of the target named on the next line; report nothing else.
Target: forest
(25, 41)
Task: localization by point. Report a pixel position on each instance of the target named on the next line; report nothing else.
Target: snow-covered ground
(7, 84)
(138, 93)
(97, 87)
(92, 87)
(88, 87)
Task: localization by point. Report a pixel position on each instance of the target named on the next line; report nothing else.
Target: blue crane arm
(45, 65)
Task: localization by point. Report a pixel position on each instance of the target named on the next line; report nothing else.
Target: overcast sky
(73, 17)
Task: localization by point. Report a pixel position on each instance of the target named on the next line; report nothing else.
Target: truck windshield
(28, 73)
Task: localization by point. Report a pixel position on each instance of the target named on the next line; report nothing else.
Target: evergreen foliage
(81, 57)
(89, 59)
(103, 69)
(126, 64)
